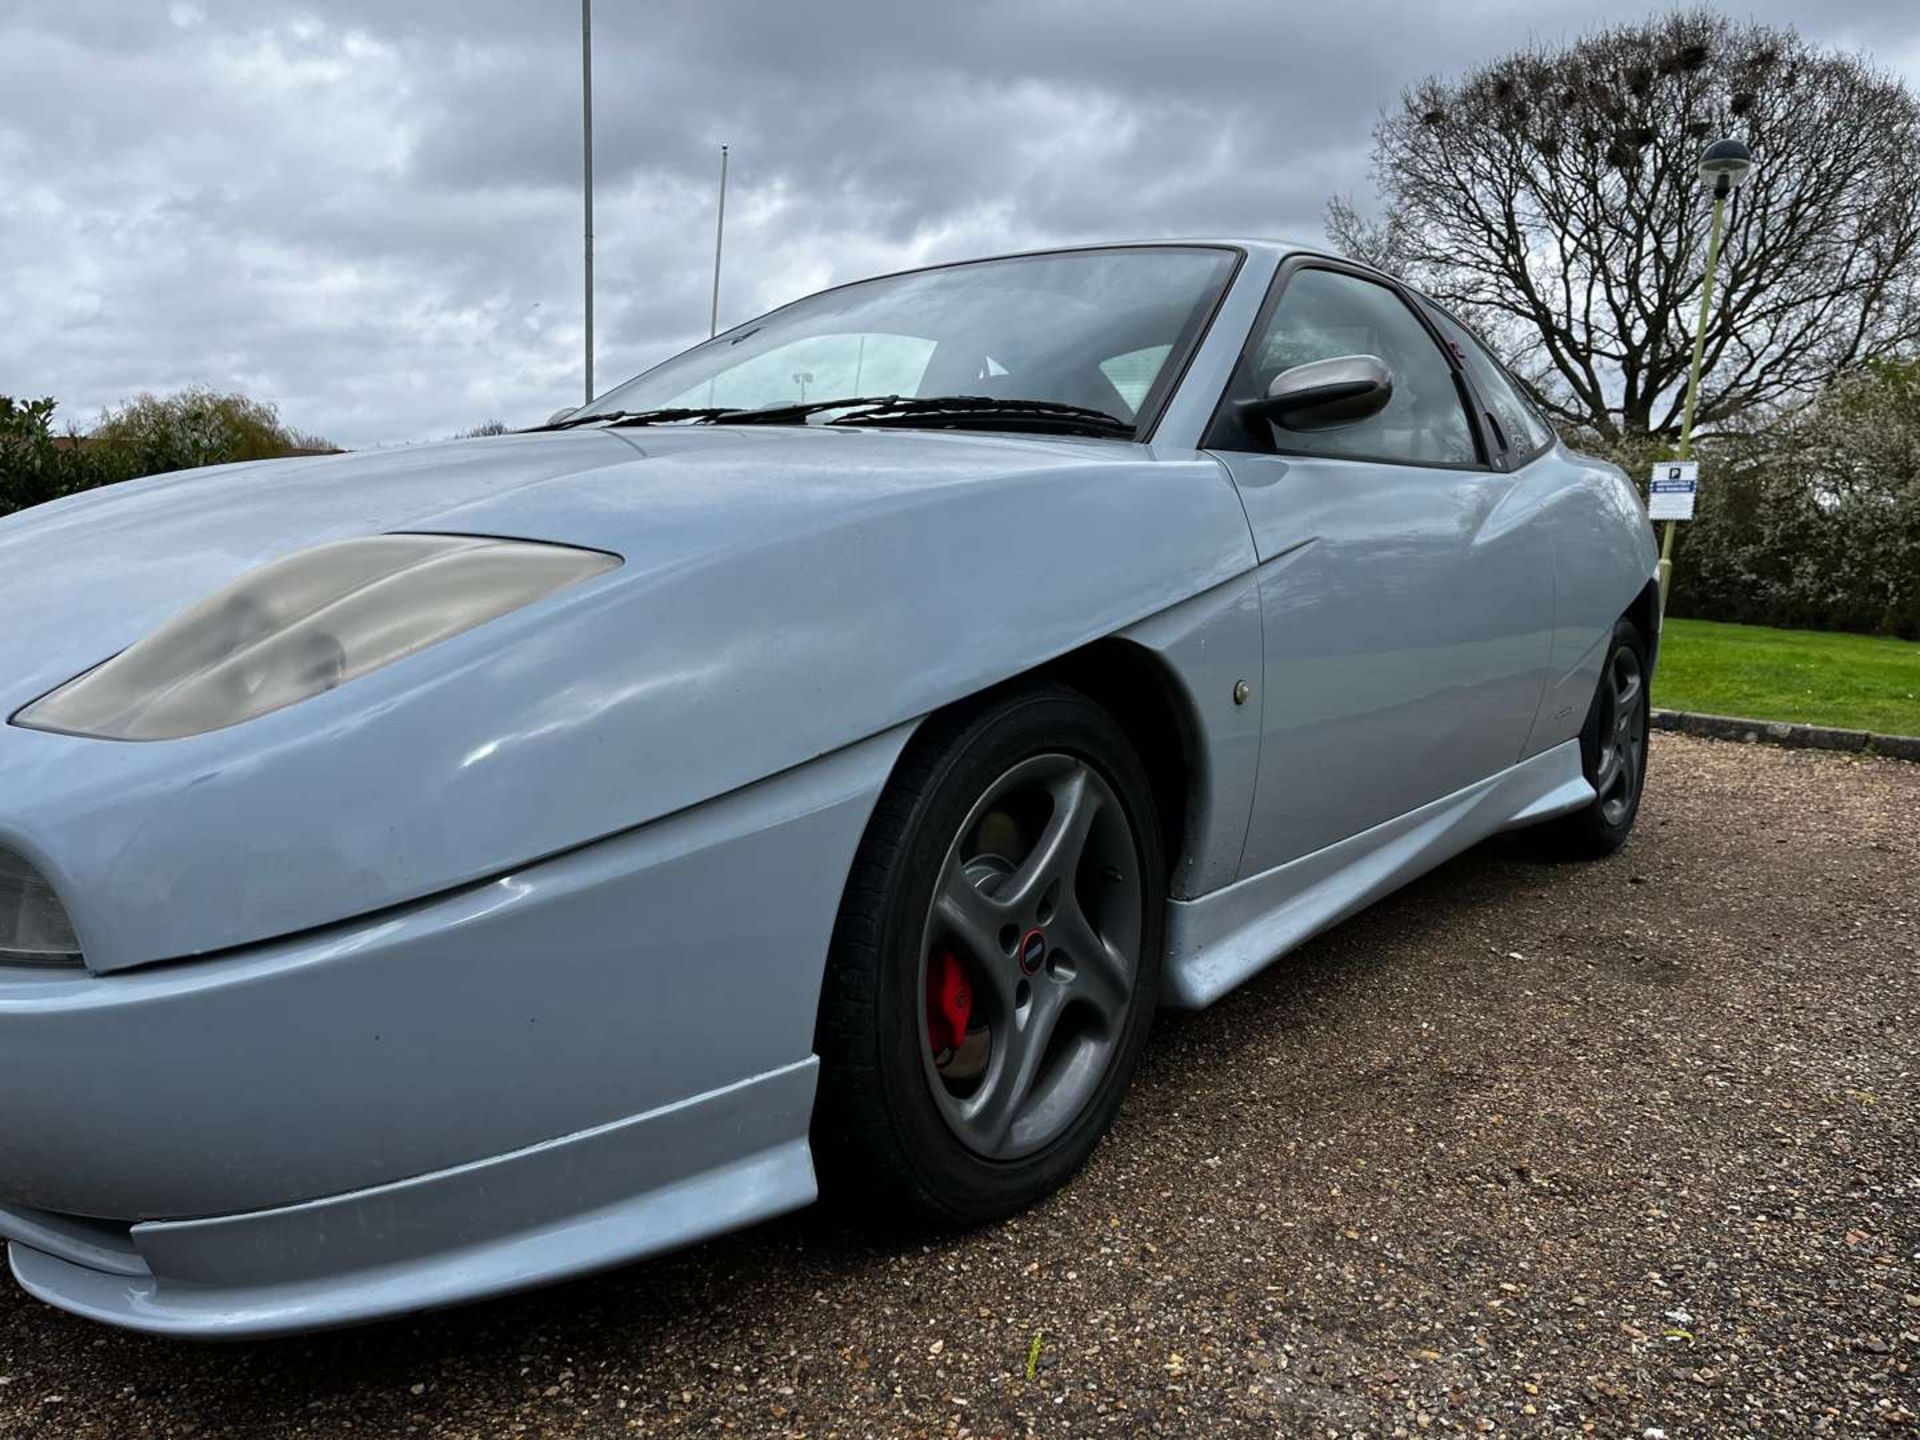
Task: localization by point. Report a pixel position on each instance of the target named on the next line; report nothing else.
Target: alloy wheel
(1621, 762)
(1029, 954)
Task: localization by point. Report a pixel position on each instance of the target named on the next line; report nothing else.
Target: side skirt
(1219, 940)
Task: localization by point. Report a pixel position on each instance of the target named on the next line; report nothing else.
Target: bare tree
(1552, 198)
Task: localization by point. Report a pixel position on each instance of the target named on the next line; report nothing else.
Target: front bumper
(595, 1058)
(609, 1195)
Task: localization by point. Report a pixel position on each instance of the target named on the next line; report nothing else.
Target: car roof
(1275, 247)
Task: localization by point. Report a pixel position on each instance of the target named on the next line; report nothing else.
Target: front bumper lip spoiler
(583, 1202)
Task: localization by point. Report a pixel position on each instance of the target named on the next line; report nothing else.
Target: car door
(1406, 600)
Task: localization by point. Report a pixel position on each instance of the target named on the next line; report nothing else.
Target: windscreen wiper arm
(958, 411)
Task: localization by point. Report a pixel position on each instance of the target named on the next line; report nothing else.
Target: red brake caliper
(949, 1001)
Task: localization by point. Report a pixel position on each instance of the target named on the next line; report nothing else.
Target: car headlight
(303, 625)
(34, 929)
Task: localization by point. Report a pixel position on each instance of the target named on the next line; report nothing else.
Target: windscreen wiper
(947, 412)
(641, 417)
(954, 412)
(944, 412)
(718, 414)
(793, 414)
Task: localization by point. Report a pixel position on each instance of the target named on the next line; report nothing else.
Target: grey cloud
(369, 211)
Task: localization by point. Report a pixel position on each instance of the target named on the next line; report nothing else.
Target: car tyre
(995, 963)
(1613, 755)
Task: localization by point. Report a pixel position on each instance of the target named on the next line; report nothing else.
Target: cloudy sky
(368, 211)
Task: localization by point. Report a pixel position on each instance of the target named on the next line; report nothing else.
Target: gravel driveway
(1625, 1149)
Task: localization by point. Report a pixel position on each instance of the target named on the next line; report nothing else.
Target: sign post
(1723, 165)
(1686, 414)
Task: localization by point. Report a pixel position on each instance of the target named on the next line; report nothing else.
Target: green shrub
(146, 436)
(36, 465)
(1813, 523)
(150, 434)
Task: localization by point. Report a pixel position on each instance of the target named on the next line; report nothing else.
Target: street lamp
(1724, 165)
(1723, 168)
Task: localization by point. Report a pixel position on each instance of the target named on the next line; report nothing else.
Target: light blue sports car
(433, 872)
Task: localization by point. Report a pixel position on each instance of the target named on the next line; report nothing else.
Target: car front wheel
(995, 962)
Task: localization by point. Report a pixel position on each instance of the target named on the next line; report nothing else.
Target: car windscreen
(1107, 329)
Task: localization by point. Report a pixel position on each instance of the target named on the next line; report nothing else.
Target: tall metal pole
(1720, 193)
(719, 236)
(586, 168)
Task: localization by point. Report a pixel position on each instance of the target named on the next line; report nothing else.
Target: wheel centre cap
(1032, 951)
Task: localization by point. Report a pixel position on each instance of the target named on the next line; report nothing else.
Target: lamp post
(719, 237)
(1723, 166)
(586, 170)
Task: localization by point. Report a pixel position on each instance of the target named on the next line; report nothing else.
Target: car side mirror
(1325, 394)
(562, 413)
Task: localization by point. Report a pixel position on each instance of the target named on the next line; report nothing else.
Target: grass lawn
(1856, 682)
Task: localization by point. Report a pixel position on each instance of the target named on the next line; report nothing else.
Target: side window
(1520, 427)
(1326, 313)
